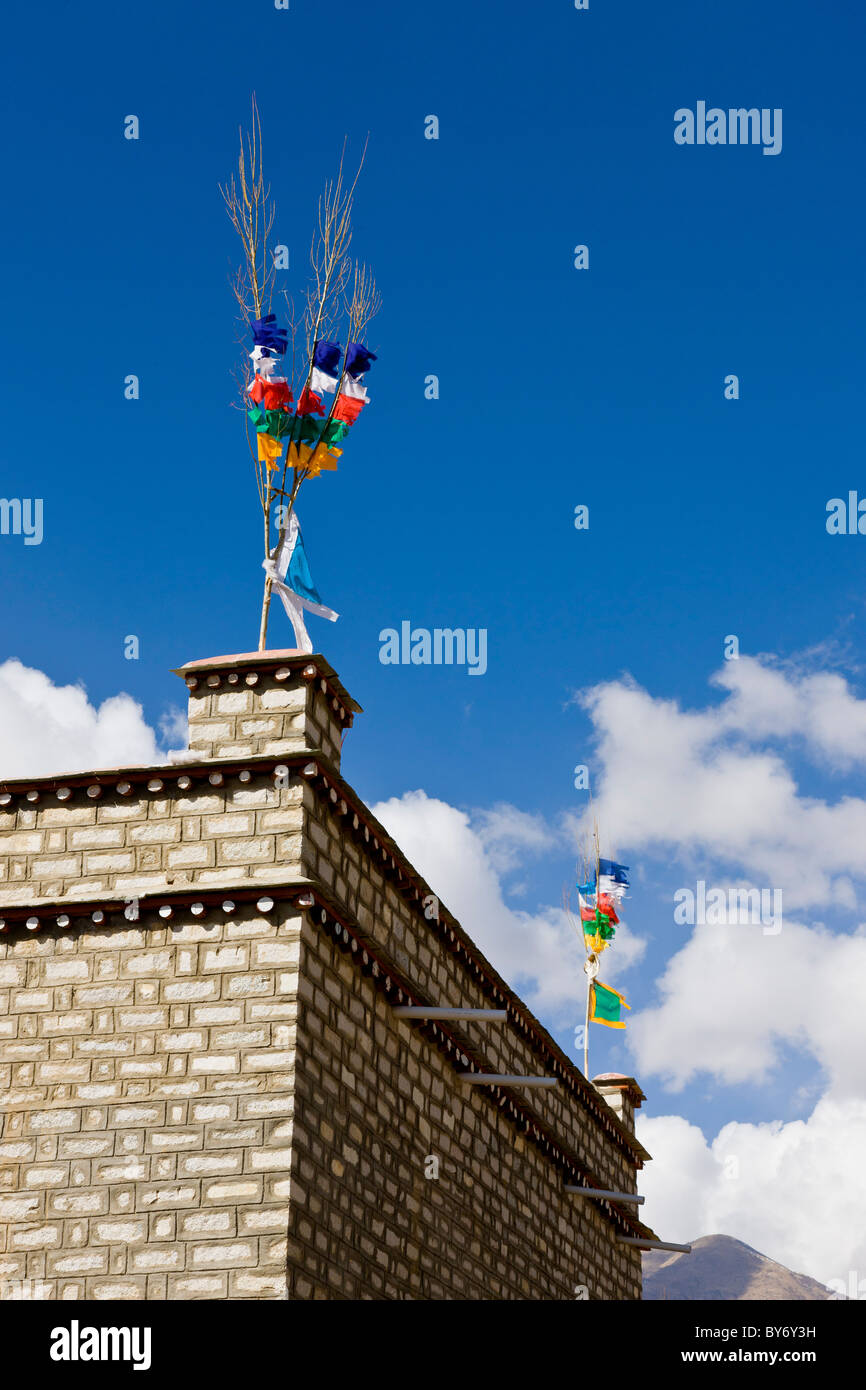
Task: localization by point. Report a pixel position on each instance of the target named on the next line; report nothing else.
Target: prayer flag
(305, 429)
(606, 1005)
(289, 572)
(275, 422)
(606, 906)
(596, 923)
(354, 388)
(267, 335)
(314, 460)
(270, 392)
(358, 358)
(326, 356)
(334, 431)
(347, 408)
(321, 381)
(309, 403)
(263, 362)
(618, 872)
(269, 450)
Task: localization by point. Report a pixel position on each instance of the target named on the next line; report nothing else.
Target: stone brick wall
(145, 842)
(374, 1102)
(241, 706)
(146, 1139)
(206, 1092)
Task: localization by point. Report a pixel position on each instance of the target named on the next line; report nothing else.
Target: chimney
(622, 1093)
(266, 703)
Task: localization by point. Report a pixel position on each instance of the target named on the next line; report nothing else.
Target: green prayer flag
(334, 431)
(606, 1005)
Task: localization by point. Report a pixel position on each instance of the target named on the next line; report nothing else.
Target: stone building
(207, 1088)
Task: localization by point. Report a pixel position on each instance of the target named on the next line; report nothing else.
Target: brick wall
(145, 1149)
(374, 1102)
(206, 1091)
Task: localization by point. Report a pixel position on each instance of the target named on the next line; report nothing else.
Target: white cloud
(732, 997)
(49, 729)
(461, 857)
(691, 785)
(712, 790)
(793, 1191)
(768, 701)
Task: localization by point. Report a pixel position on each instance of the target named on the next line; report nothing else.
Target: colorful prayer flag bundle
(598, 898)
(312, 438)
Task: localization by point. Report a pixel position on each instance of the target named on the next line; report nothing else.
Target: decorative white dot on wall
(94, 791)
(184, 783)
(165, 911)
(244, 776)
(196, 909)
(233, 678)
(308, 673)
(32, 796)
(63, 793)
(252, 678)
(215, 779)
(154, 785)
(265, 904)
(306, 900)
(283, 673)
(191, 682)
(124, 788)
(213, 681)
(228, 905)
(5, 798)
(2, 924)
(32, 924)
(63, 920)
(97, 916)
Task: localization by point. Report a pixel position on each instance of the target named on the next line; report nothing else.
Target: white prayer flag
(320, 381)
(289, 573)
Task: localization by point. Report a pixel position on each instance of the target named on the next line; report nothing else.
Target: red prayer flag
(606, 905)
(309, 403)
(270, 394)
(348, 408)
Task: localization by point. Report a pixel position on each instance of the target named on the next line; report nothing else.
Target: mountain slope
(724, 1268)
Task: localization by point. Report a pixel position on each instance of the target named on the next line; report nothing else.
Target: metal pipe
(609, 1196)
(473, 1015)
(486, 1078)
(653, 1244)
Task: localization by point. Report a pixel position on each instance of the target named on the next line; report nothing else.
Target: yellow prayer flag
(269, 450)
(301, 456)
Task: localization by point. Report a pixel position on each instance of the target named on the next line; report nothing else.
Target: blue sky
(558, 387)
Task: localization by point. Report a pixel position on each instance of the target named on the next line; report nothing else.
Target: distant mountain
(724, 1268)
